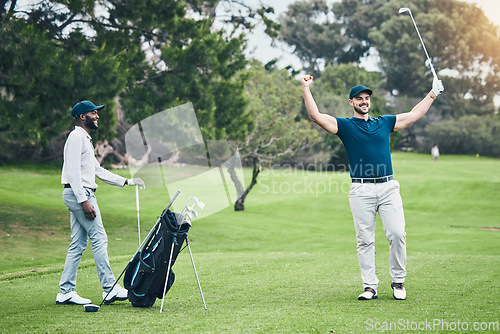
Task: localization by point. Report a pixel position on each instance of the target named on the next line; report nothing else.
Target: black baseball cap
(358, 89)
(84, 107)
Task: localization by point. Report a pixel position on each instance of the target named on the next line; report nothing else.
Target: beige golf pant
(366, 199)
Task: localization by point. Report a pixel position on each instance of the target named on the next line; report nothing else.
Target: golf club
(405, 9)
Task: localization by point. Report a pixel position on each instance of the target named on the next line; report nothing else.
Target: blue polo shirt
(367, 145)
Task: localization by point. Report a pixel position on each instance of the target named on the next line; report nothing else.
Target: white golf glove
(437, 86)
(136, 182)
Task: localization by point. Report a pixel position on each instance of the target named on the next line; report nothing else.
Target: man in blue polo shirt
(373, 189)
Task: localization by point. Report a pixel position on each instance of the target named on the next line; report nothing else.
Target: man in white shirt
(79, 170)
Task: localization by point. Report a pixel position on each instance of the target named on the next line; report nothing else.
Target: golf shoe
(71, 298)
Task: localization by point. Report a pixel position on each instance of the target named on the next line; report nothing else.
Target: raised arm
(406, 119)
(327, 122)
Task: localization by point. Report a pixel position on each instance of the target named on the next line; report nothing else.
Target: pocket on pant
(69, 200)
(68, 197)
(356, 188)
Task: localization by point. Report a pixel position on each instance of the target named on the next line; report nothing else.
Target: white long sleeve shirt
(80, 167)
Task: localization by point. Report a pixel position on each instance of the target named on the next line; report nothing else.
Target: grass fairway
(286, 264)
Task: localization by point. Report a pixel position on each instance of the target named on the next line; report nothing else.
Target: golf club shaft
(425, 49)
(138, 219)
(154, 226)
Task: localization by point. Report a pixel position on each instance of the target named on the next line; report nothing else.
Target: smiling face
(361, 104)
(89, 120)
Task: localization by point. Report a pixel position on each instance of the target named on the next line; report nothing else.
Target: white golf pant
(83, 229)
(366, 199)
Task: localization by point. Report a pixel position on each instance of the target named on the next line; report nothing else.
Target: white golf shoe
(71, 298)
(118, 293)
(369, 294)
(399, 291)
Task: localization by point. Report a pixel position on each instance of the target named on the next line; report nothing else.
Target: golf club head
(91, 308)
(196, 202)
(404, 10)
(184, 222)
(192, 215)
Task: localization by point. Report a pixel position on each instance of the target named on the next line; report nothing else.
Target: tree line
(140, 58)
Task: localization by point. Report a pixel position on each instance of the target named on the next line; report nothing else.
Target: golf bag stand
(195, 273)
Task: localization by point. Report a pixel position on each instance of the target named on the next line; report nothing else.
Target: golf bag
(146, 274)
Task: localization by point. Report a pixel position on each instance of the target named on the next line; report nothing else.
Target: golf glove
(437, 86)
(136, 182)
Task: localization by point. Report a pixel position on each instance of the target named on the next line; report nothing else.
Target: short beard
(360, 111)
(89, 123)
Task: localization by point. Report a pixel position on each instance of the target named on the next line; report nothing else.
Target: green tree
(190, 59)
(274, 102)
(477, 137)
(323, 34)
(241, 16)
(458, 37)
(316, 38)
(41, 78)
(153, 55)
(197, 70)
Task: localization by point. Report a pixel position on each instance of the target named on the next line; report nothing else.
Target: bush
(467, 135)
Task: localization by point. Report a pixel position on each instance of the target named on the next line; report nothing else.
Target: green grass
(286, 264)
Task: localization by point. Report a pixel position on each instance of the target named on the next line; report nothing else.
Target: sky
(260, 45)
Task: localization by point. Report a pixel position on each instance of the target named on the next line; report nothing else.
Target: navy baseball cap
(84, 107)
(358, 89)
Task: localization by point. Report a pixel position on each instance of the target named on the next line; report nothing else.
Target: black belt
(376, 180)
(67, 185)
